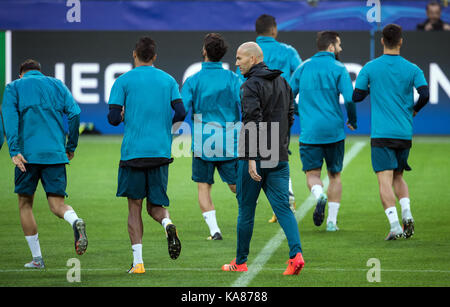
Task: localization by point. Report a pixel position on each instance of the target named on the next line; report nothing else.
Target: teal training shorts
(140, 183)
(313, 155)
(203, 171)
(385, 158)
(52, 176)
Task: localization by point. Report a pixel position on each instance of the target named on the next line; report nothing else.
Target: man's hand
(123, 113)
(252, 170)
(350, 126)
(20, 161)
(70, 155)
(428, 26)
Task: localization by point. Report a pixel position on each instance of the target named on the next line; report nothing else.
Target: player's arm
(252, 113)
(251, 116)
(187, 94)
(291, 106)
(116, 103)
(72, 111)
(361, 86)
(295, 60)
(346, 89)
(11, 119)
(424, 97)
(176, 103)
(115, 116)
(180, 111)
(295, 87)
(422, 88)
(359, 95)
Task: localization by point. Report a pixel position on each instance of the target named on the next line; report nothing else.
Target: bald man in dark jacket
(267, 115)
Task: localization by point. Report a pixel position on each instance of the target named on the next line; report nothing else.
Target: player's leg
(334, 157)
(157, 204)
(292, 205)
(25, 187)
(291, 196)
(208, 210)
(132, 185)
(247, 192)
(312, 161)
(276, 186)
(203, 174)
(54, 182)
(63, 211)
(136, 232)
(402, 192)
(30, 230)
(384, 163)
(27, 220)
(334, 200)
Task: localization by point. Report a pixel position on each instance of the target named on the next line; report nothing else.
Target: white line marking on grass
(271, 246)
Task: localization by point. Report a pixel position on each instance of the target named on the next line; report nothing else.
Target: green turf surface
(332, 259)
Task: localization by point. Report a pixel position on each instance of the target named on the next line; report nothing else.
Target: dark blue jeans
(275, 184)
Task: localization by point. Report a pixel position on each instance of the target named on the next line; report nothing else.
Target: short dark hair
(145, 49)
(264, 23)
(433, 2)
(325, 39)
(29, 65)
(215, 46)
(392, 34)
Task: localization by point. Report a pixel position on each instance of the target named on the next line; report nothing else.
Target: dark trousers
(275, 183)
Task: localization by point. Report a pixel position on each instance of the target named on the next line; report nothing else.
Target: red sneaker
(295, 265)
(234, 267)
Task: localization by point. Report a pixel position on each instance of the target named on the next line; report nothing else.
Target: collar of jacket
(31, 73)
(325, 53)
(255, 68)
(212, 65)
(265, 39)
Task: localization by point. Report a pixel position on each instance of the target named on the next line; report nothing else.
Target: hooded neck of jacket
(261, 70)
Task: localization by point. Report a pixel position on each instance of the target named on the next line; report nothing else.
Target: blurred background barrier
(89, 60)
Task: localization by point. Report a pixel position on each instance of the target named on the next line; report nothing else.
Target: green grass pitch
(332, 259)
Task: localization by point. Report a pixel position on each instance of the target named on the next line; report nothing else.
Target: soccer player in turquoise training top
(143, 99)
(279, 56)
(33, 112)
(319, 81)
(390, 79)
(267, 115)
(213, 95)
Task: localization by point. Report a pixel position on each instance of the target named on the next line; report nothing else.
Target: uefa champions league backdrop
(71, 43)
(89, 62)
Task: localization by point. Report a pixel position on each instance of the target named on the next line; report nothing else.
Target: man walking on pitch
(213, 95)
(319, 81)
(279, 56)
(143, 99)
(390, 79)
(267, 115)
(33, 108)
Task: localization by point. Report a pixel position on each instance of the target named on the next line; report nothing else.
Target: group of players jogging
(260, 94)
